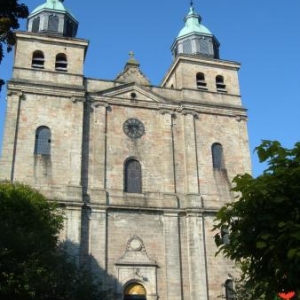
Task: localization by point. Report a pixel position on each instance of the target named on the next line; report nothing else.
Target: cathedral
(139, 170)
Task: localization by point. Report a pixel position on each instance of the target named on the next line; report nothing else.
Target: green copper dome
(50, 4)
(193, 25)
(56, 5)
(52, 18)
(195, 39)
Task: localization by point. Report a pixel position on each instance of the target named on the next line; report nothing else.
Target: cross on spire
(131, 54)
(132, 60)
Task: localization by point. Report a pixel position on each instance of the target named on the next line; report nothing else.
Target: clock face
(134, 128)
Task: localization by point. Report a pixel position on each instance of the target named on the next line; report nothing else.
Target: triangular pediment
(133, 92)
(132, 73)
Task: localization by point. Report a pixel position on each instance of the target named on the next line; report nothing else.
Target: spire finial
(131, 54)
(192, 8)
(132, 60)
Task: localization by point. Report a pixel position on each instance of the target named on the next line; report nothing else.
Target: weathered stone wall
(74, 50)
(64, 118)
(182, 74)
(181, 192)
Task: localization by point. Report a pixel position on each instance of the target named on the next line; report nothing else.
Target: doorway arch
(134, 291)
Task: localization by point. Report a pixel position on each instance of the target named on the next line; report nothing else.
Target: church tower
(140, 170)
(47, 80)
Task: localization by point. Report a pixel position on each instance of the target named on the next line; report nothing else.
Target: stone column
(173, 258)
(196, 254)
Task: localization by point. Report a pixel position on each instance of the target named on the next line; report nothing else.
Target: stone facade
(161, 237)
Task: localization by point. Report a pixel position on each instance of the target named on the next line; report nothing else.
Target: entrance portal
(134, 291)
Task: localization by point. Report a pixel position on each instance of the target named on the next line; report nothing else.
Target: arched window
(133, 176)
(217, 156)
(200, 81)
(38, 59)
(220, 85)
(42, 141)
(134, 291)
(53, 23)
(61, 62)
(229, 289)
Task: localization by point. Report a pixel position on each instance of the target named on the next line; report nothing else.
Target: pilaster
(169, 151)
(97, 145)
(196, 257)
(98, 242)
(192, 180)
(9, 145)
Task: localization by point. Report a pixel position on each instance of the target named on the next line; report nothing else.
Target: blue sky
(263, 35)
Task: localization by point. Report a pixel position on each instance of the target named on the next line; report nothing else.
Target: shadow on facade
(136, 272)
(109, 284)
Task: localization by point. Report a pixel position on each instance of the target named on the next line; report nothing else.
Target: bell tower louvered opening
(38, 59)
(61, 62)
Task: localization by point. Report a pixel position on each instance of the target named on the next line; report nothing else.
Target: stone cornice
(46, 90)
(182, 108)
(50, 39)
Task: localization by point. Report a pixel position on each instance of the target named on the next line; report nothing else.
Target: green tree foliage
(264, 223)
(10, 13)
(32, 264)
